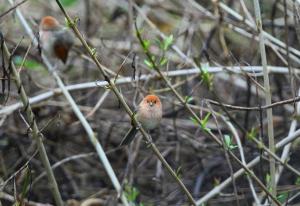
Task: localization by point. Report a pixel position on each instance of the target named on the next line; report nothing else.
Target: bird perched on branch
(55, 39)
(149, 114)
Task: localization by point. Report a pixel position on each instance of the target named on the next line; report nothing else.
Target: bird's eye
(154, 101)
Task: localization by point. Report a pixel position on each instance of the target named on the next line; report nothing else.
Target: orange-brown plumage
(152, 98)
(49, 23)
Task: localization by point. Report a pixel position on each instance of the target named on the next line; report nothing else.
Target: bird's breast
(47, 40)
(149, 117)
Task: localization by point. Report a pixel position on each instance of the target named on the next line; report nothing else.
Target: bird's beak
(151, 104)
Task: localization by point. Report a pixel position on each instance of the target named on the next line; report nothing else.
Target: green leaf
(231, 147)
(205, 120)
(188, 99)
(71, 23)
(178, 172)
(68, 3)
(205, 75)
(282, 197)
(252, 134)
(268, 178)
(26, 184)
(297, 181)
(148, 63)
(94, 51)
(163, 61)
(167, 42)
(227, 140)
(146, 44)
(194, 120)
(28, 63)
(131, 193)
(4, 142)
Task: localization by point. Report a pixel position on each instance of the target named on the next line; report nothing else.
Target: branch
(276, 104)
(268, 96)
(12, 8)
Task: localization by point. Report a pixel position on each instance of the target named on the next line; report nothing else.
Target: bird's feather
(129, 136)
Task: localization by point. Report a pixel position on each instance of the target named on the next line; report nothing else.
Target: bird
(148, 114)
(55, 39)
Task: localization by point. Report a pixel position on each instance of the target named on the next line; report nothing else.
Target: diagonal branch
(12, 8)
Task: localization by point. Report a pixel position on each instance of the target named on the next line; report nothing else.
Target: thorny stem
(35, 131)
(126, 107)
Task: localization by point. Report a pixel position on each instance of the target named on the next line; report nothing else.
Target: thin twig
(63, 161)
(268, 96)
(12, 8)
(264, 107)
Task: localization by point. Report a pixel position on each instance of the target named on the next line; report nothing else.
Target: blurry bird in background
(55, 39)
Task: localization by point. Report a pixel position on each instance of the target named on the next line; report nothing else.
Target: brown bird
(149, 114)
(55, 40)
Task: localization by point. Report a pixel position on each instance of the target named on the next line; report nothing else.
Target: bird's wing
(62, 44)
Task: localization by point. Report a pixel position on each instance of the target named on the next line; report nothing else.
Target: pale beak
(151, 104)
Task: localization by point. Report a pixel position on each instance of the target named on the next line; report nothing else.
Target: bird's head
(49, 23)
(152, 101)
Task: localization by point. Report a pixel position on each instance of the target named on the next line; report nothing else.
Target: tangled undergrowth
(202, 58)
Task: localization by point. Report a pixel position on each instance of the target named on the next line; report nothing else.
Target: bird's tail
(129, 136)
